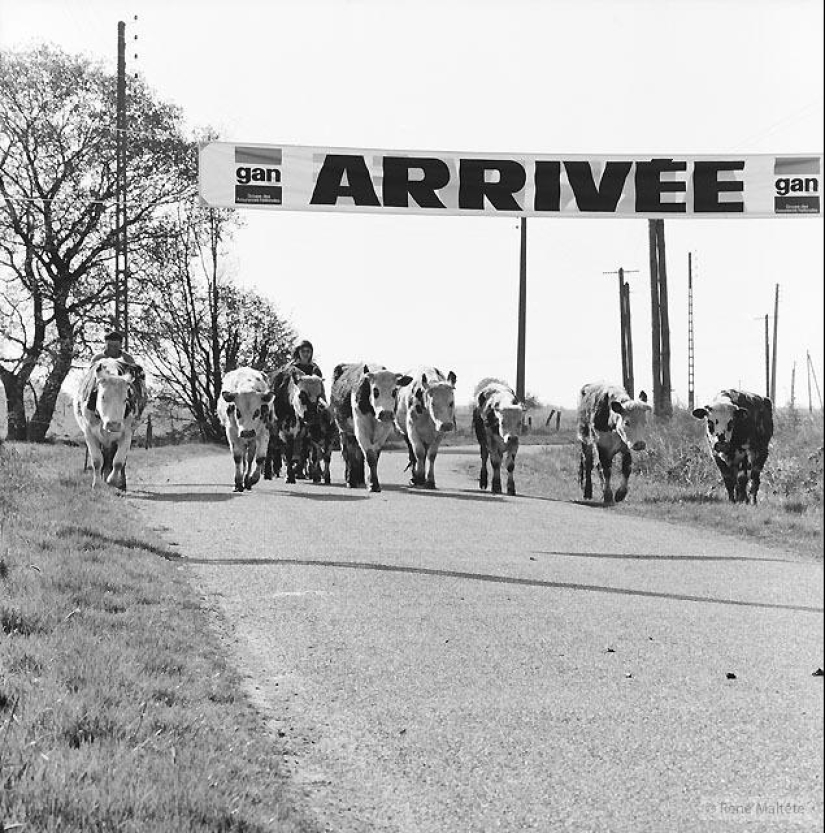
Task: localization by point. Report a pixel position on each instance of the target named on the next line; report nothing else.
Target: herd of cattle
(286, 417)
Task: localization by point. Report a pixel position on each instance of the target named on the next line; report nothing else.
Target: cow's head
(437, 397)
(721, 417)
(306, 394)
(112, 398)
(248, 410)
(631, 421)
(505, 415)
(378, 391)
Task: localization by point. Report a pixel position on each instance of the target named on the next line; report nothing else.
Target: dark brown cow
(738, 428)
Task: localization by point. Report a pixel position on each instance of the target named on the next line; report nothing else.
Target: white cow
(243, 410)
(108, 405)
(363, 399)
(425, 413)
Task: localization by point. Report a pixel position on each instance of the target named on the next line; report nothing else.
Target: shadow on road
(187, 497)
(128, 543)
(323, 496)
(647, 557)
(511, 580)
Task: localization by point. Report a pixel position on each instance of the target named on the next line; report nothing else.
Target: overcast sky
(663, 78)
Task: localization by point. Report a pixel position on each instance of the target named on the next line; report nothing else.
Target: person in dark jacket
(302, 359)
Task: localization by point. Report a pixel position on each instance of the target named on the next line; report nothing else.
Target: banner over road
(295, 178)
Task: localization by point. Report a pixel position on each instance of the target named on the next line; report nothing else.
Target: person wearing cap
(114, 349)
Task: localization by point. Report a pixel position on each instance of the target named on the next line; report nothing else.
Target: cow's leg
(605, 471)
(480, 431)
(372, 461)
(432, 452)
(269, 458)
(357, 473)
(495, 462)
(627, 462)
(251, 473)
(510, 464)
(96, 456)
(586, 470)
(121, 450)
(327, 457)
(289, 455)
(108, 457)
(419, 464)
(237, 456)
(261, 448)
(742, 480)
(299, 459)
(727, 477)
(758, 460)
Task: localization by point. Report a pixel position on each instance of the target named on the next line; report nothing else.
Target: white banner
(293, 178)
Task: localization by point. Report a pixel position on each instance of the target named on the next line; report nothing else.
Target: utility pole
(812, 372)
(660, 322)
(691, 381)
(775, 331)
(522, 313)
(793, 386)
(626, 336)
(121, 246)
(808, 368)
(767, 359)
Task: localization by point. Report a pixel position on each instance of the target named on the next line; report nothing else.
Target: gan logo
(257, 176)
(796, 183)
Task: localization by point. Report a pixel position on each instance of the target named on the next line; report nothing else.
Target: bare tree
(57, 219)
(197, 324)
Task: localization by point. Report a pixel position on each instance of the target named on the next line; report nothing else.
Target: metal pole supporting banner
(522, 313)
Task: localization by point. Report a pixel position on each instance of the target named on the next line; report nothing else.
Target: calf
(425, 413)
(107, 406)
(363, 399)
(298, 399)
(739, 427)
(497, 416)
(243, 410)
(610, 423)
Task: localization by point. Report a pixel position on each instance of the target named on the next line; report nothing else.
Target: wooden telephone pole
(775, 331)
(691, 380)
(626, 332)
(660, 321)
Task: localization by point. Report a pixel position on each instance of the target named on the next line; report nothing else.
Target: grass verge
(675, 480)
(118, 711)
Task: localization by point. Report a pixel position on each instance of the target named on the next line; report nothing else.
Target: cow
(497, 418)
(738, 428)
(364, 398)
(321, 438)
(108, 405)
(298, 398)
(610, 423)
(425, 413)
(243, 409)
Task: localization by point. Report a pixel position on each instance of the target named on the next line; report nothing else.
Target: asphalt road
(451, 661)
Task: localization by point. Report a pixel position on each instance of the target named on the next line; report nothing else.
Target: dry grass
(676, 480)
(117, 708)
